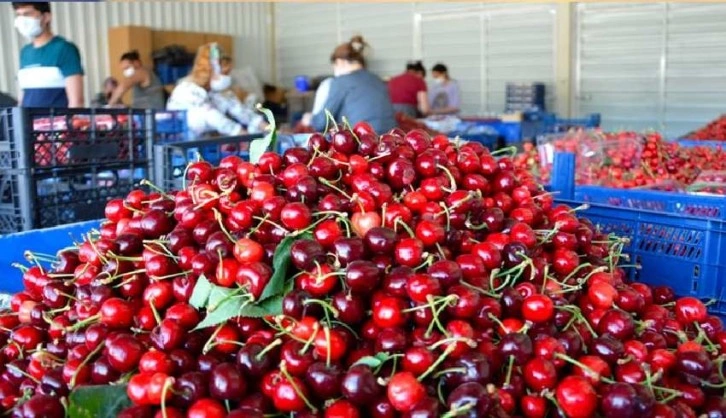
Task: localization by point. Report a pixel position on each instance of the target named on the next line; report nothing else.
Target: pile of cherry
(420, 280)
(628, 160)
(713, 131)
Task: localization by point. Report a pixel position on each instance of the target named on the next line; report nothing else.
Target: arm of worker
(72, 71)
(74, 90)
(333, 104)
(422, 98)
(125, 85)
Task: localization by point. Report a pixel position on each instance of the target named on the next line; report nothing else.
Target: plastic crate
(553, 124)
(510, 131)
(46, 241)
(713, 207)
(171, 126)
(685, 253)
(171, 159)
(692, 143)
(164, 72)
(52, 139)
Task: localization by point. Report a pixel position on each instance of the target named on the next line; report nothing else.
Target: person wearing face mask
(354, 93)
(444, 95)
(50, 74)
(147, 90)
(192, 94)
(225, 97)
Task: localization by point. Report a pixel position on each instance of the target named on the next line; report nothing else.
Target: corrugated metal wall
(657, 65)
(484, 45)
(86, 24)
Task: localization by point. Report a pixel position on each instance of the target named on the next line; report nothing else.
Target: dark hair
(41, 6)
(225, 59)
(131, 56)
(440, 68)
(416, 66)
(350, 51)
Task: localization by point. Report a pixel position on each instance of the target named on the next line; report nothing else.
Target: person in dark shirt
(102, 98)
(408, 91)
(355, 93)
(50, 72)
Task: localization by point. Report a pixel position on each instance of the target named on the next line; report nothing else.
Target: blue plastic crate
(712, 207)
(684, 204)
(685, 253)
(510, 131)
(553, 124)
(691, 143)
(165, 73)
(46, 241)
(171, 126)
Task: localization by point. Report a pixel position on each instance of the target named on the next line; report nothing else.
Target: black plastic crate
(525, 97)
(57, 139)
(171, 160)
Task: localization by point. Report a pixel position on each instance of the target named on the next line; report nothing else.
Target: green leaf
(270, 306)
(375, 361)
(97, 401)
(227, 310)
(219, 295)
(280, 266)
(262, 145)
(201, 292)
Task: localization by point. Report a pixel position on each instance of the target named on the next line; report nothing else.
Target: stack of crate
(59, 166)
(525, 97)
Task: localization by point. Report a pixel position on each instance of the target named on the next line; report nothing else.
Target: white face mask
(129, 72)
(221, 82)
(29, 27)
(439, 80)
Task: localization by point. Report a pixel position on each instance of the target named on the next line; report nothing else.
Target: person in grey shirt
(444, 94)
(148, 92)
(355, 93)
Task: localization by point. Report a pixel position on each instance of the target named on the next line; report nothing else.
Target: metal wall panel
(651, 66)
(87, 24)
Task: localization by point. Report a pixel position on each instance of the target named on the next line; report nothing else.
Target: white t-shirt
(321, 95)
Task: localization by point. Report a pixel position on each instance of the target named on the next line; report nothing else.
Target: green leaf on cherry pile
(281, 265)
(201, 293)
(223, 303)
(374, 362)
(262, 145)
(104, 401)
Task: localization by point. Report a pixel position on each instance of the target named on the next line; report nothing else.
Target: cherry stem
(22, 372)
(455, 412)
(329, 118)
(447, 213)
(21, 267)
(403, 224)
(510, 367)
(325, 305)
(283, 370)
(167, 384)
(85, 361)
(80, 324)
(269, 347)
(449, 349)
(157, 317)
(265, 220)
(218, 218)
(153, 186)
(584, 367)
(452, 181)
(334, 187)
